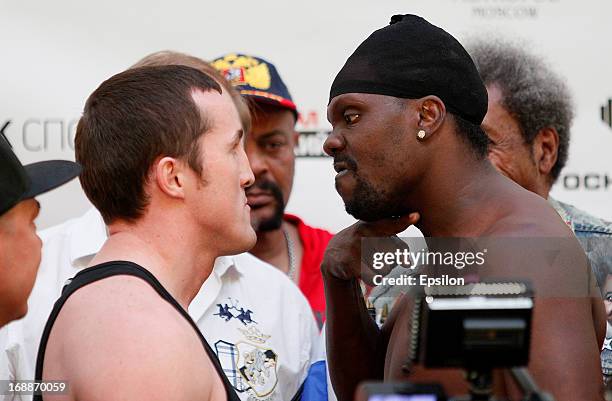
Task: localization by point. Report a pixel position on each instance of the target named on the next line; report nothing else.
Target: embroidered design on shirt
(245, 316)
(248, 367)
(224, 312)
(227, 312)
(227, 354)
(258, 367)
(253, 334)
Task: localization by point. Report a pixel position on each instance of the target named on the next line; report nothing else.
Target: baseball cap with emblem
(19, 182)
(255, 78)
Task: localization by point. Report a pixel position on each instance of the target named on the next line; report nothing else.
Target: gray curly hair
(532, 93)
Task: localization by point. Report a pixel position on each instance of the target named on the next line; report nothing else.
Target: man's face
(218, 198)
(19, 258)
(370, 144)
(508, 151)
(270, 149)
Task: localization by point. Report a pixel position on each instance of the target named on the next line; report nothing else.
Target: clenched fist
(344, 259)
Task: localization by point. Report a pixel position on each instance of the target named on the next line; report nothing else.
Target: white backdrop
(54, 54)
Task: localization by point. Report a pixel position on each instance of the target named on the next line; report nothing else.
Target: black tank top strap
(115, 268)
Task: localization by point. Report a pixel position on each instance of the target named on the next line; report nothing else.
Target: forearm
(355, 346)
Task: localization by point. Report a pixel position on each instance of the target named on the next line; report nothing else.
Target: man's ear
(170, 176)
(431, 115)
(545, 148)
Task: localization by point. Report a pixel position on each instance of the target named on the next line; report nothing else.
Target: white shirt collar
(87, 236)
(223, 264)
(211, 288)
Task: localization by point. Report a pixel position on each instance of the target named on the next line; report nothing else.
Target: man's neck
(271, 247)
(458, 202)
(179, 265)
(546, 191)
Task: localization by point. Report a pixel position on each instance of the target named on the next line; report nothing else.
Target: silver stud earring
(421, 135)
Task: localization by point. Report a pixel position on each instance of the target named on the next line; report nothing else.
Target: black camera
(477, 327)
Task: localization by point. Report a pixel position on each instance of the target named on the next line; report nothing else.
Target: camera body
(476, 327)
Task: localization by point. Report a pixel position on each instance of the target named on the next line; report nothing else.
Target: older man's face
(508, 151)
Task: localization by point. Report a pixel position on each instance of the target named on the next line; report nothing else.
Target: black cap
(411, 58)
(18, 182)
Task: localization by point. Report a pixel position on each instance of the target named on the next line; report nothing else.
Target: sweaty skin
(451, 194)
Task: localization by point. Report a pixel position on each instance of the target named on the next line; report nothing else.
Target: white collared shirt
(251, 314)
(259, 324)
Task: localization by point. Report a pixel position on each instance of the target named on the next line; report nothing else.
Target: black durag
(411, 58)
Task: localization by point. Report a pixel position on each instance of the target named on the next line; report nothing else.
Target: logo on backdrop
(311, 144)
(601, 181)
(41, 134)
(5, 126)
(606, 113)
(311, 136)
(44, 134)
(508, 9)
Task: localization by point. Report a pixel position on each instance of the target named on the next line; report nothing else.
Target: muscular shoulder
(120, 297)
(530, 241)
(526, 214)
(125, 341)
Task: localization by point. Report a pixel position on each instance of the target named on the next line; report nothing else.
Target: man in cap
(283, 240)
(528, 123)
(406, 110)
(19, 245)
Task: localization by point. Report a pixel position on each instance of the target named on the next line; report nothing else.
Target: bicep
(564, 352)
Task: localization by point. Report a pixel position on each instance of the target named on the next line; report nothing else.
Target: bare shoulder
(525, 214)
(126, 342)
(531, 241)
